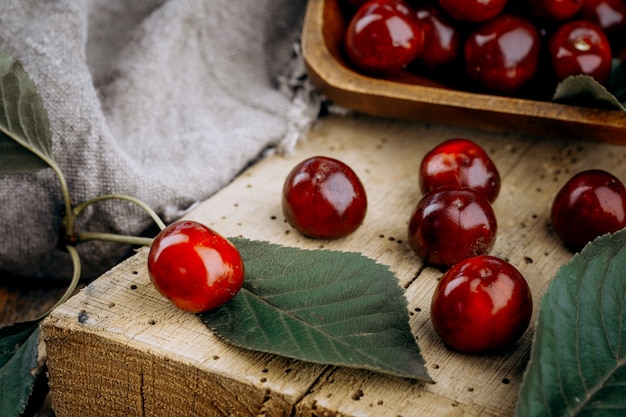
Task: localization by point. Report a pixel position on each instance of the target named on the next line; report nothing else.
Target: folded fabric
(163, 100)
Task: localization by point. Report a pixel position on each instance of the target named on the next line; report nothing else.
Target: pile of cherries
(482, 303)
(499, 46)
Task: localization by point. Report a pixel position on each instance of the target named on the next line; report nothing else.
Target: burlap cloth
(163, 100)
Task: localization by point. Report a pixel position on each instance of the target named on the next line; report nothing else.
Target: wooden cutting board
(119, 349)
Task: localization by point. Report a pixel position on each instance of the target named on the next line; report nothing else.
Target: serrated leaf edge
(424, 378)
(534, 355)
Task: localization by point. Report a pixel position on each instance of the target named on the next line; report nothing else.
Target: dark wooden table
(23, 299)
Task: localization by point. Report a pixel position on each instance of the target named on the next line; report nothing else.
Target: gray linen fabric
(163, 100)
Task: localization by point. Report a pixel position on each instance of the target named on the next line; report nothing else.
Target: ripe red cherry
(503, 54)
(461, 163)
(481, 305)
(323, 198)
(610, 15)
(382, 38)
(580, 47)
(590, 204)
(450, 224)
(195, 267)
(442, 38)
(556, 10)
(473, 10)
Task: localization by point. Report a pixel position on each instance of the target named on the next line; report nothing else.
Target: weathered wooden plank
(118, 348)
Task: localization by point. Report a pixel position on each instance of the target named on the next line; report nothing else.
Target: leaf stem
(110, 237)
(67, 201)
(82, 206)
(74, 282)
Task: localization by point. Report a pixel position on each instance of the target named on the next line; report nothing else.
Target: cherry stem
(64, 188)
(82, 206)
(70, 217)
(74, 282)
(110, 237)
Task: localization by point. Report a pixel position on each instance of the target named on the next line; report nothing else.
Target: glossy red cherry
(580, 47)
(610, 15)
(460, 162)
(473, 10)
(503, 54)
(590, 204)
(442, 38)
(450, 224)
(381, 38)
(481, 305)
(323, 198)
(195, 267)
(556, 10)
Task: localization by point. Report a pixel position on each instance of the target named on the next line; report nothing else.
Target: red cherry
(400, 6)
(555, 10)
(460, 163)
(610, 15)
(580, 47)
(481, 305)
(503, 54)
(441, 38)
(323, 198)
(381, 38)
(473, 10)
(450, 224)
(590, 204)
(194, 267)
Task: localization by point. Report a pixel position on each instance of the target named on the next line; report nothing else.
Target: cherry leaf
(584, 90)
(578, 360)
(18, 360)
(25, 138)
(326, 307)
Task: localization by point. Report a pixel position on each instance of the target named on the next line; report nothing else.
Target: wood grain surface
(119, 349)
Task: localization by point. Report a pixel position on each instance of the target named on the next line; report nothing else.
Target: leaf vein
(329, 336)
(603, 382)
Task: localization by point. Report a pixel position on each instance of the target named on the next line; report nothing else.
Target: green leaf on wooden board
(19, 345)
(578, 359)
(25, 138)
(583, 90)
(327, 307)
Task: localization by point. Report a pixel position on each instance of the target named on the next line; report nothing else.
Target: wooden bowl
(408, 96)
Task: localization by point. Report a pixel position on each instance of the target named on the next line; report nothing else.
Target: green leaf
(25, 138)
(584, 90)
(578, 360)
(18, 361)
(326, 307)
